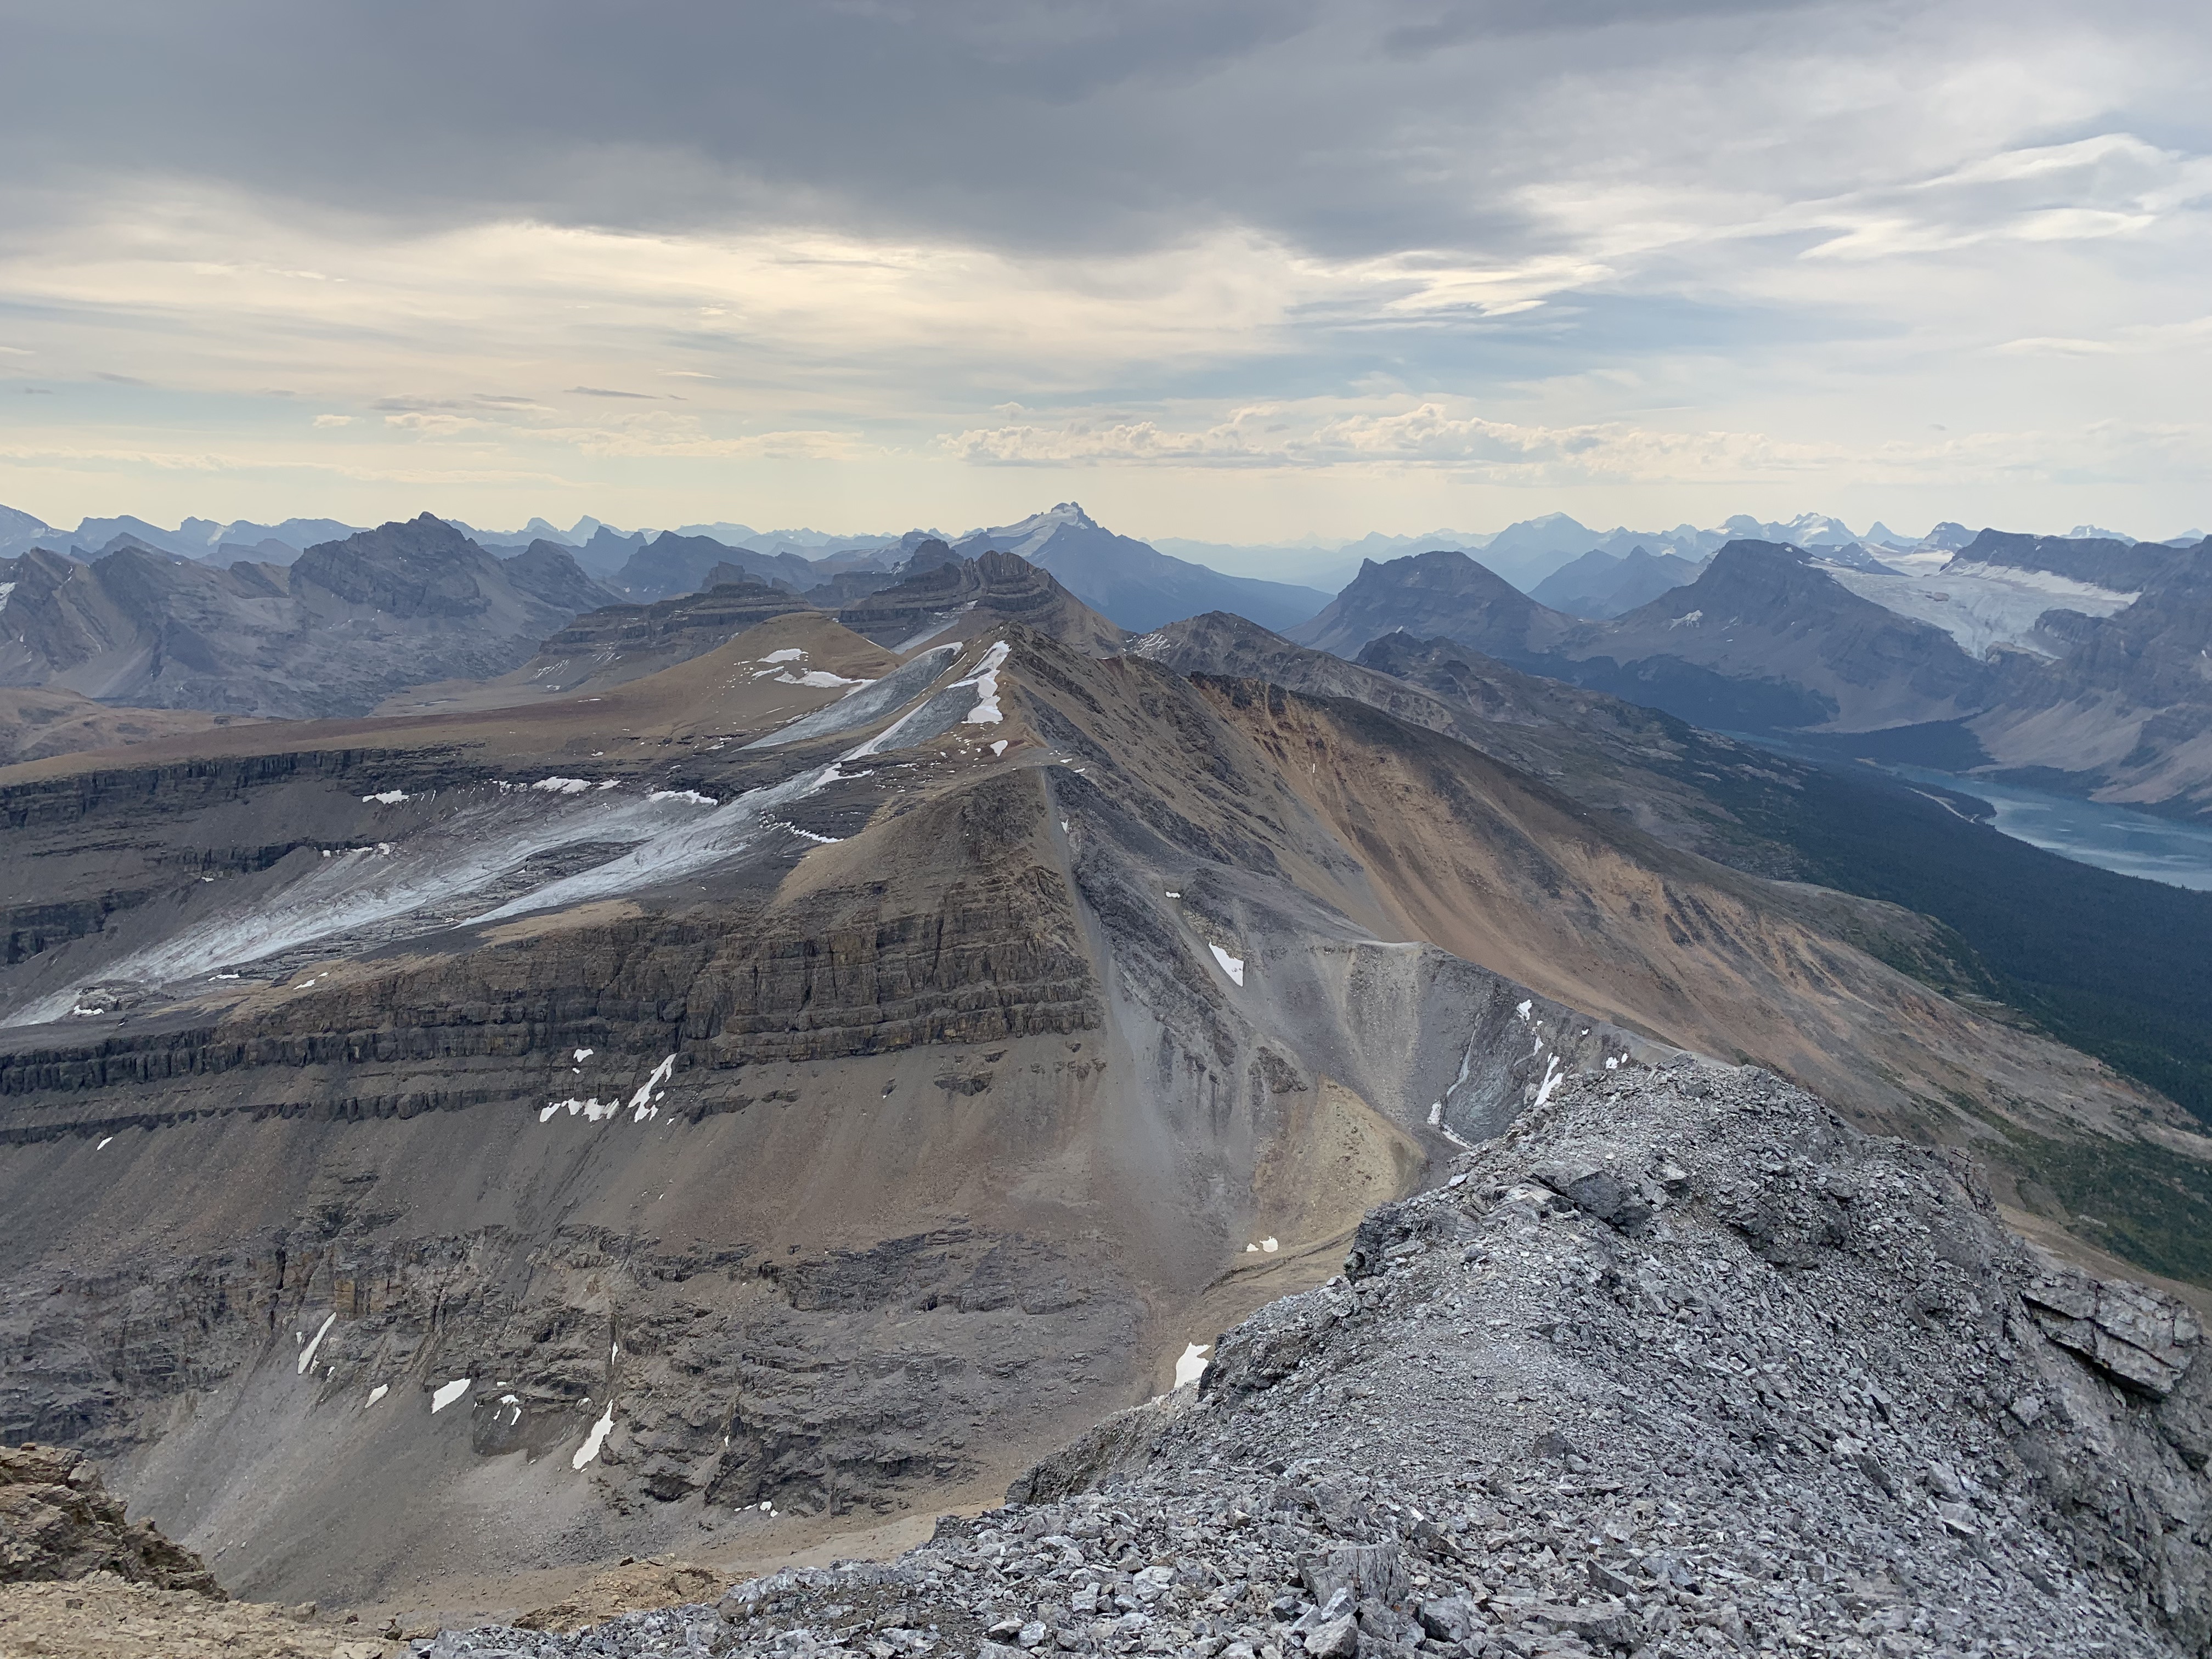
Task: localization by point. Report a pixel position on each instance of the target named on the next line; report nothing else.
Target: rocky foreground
(1680, 1366)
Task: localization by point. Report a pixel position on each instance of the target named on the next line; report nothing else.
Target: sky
(1243, 270)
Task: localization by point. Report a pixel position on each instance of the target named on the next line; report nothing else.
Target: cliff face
(933, 599)
(1763, 638)
(1428, 594)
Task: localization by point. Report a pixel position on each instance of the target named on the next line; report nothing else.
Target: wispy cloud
(1434, 436)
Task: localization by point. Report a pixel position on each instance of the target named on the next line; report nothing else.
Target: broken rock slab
(1368, 1571)
(2141, 1338)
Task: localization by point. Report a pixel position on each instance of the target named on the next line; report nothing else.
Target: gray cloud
(1053, 125)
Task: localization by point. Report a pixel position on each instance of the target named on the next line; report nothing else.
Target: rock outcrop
(2123, 708)
(57, 1522)
(941, 592)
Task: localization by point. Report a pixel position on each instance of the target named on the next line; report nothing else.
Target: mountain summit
(1133, 582)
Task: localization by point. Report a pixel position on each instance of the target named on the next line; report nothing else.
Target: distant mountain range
(2077, 663)
(344, 625)
(1600, 584)
(1526, 553)
(2076, 660)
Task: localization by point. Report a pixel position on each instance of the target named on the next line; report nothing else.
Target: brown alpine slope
(1649, 768)
(36, 723)
(1405, 834)
(370, 1233)
(612, 646)
(459, 1143)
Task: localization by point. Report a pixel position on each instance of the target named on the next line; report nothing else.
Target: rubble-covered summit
(1680, 1364)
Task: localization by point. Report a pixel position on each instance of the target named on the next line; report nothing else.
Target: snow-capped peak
(1027, 535)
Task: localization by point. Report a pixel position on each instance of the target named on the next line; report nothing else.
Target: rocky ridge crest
(1680, 1364)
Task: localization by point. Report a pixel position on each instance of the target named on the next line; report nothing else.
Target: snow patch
(789, 653)
(1271, 1245)
(447, 1392)
(377, 1394)
(690, 795)
(102, 1141)
(583, 1054)
(386, 798)
(985, 679)
(594, 1109)
(1232, 966)
(593, 1441)
(866, 702)
(307, 1353)
(1552, 1074)
(820, 678)
(640, 1106)
(1523, 1009)
(562, 786)
(1000, 747)
(1192, 1365)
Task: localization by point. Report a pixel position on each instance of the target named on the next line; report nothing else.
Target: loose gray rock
(1818, 1401)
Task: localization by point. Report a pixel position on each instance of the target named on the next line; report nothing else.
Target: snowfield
(1979, 605)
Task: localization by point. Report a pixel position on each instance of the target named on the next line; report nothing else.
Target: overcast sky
(1241, 269)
